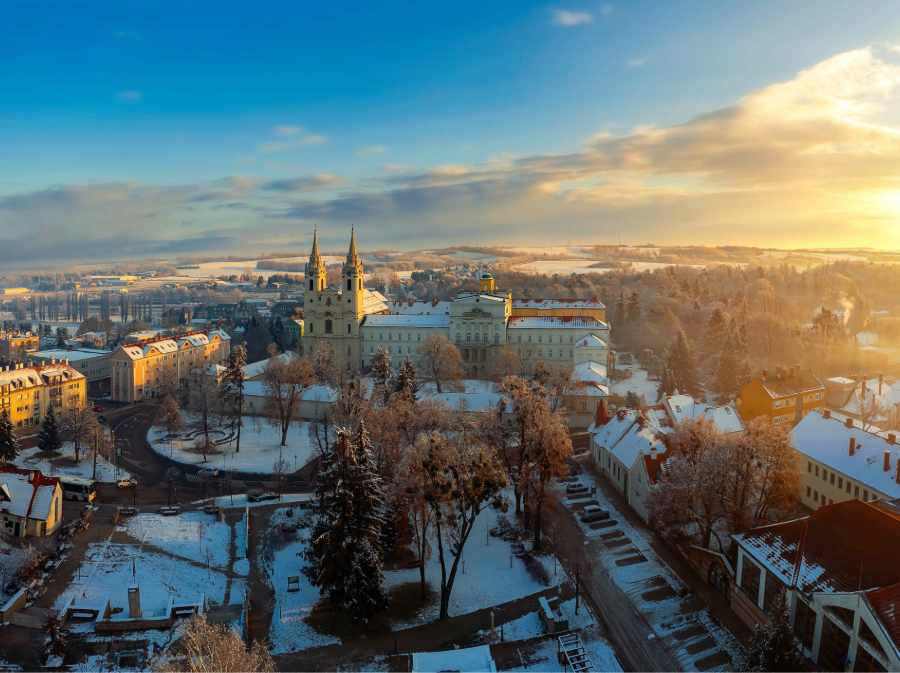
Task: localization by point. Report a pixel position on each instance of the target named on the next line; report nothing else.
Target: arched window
(349, 287)
(348, 332)
(328, 327)
(310, 283)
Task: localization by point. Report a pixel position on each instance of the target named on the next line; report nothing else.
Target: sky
(149, 128)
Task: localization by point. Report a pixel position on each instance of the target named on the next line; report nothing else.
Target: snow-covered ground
(165, 556)
(636, 383)
(62, 464)
(240, 500)
(260, 447)
(624, 553)
(565, 267)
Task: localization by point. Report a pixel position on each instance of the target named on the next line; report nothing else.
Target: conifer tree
(406, 384)
(50, 438)
(772, 647)
(344, 553)
(666, 383)
(9, 444)
(382, 373)
(682, 362)
(725, 363)
(621, 309)
(742, 374)
(232, 391)
(634, 310)
(714, 334)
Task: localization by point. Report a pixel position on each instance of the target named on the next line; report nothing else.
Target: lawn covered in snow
(260, 447)
(62, 463)
(637, 383)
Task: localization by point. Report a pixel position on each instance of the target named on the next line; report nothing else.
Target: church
(356, 322)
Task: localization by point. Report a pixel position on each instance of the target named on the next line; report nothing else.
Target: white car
(127, 482)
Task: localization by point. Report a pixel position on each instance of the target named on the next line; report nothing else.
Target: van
(576, 488)
(594, 513)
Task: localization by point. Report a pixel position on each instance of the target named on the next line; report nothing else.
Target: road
(635, 644)
(131, 424)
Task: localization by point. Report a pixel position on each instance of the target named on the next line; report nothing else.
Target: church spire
(315, 257)
(352, 256)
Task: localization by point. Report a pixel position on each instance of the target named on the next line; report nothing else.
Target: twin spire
(352, 256)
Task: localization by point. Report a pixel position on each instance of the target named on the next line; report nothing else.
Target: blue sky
(215, 127)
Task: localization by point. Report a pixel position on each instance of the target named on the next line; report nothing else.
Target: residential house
(842, 462)
(30, 503)
(785, 397)
(873, 403)
(838, 567)
(293, 332)
(27, 391)
(94, 364)
(15, 346)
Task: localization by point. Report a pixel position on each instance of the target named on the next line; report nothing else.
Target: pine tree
(9, 444)
(232, 391)
(682, 362)
(772, 647)
(382, 373)
(49, 438)
(714, 334)
(344, 553)
(406, 384)
(621, 309)
(666, 383)
(725, 363)
(742, 374)
(634, 310)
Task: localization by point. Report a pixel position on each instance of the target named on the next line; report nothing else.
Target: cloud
(371, 149)
(129, 96)
(288, 130)
(637, 62)
(606, 10)
(567, 18)
(285, 145)
(812, 160)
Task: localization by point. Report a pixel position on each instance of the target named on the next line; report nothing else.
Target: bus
(76, 488)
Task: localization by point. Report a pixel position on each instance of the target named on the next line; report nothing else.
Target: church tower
(352, 282)
(315, 270)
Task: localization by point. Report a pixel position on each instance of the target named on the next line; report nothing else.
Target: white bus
(76, 488)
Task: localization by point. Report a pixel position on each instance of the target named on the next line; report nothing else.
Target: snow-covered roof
(681, 407)
(556, 322)
(550, 304)
(314, 394)
(72, 356)
(590, 372)
(374, 302)
(867, 338)
(482, 295)
(398, 321)
(641, 438)
(256, 368)
(827, 440)
(826, 550)
(420, 308)
(30, 493)
(802, 382)
(29, 377)
(472, 401)
(470, 659)
(590, 341)
(608, 434)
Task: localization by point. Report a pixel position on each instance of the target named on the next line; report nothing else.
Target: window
(550, 340)
(848, 486)
(778, 404)
(520, 338)
(328, 327)
(832, 478)
(348, 328)
(773, 586)
(833, 646)
(866, 661)
(750, 576)
(809, 466)
(808, 491)
(458, 339)
(865, 496)
(804, 624)
(840, 483)
(856, 491)
(816, 496)
(817, 470)
(818, 396)
(778, 420)
(824, 474)
(312, 326)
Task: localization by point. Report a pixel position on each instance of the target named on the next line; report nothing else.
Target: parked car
(207, 472)
(594, 513)
(98, 409)
(576, 488)
(126, 482)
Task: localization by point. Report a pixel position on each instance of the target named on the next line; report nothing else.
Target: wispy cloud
(129, 96)
(284, 145)
(288, 130)
(637, 62)
(567, 18)
(303, 183)
(371, 149)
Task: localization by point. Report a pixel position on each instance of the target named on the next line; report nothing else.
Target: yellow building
(28, 391)
(17, 346)
(786, 397)
(138, 370)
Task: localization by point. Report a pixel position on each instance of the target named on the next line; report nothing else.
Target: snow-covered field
(566, 267)
(260, 448)
(167, 557)
(63, 464)
(636, 383)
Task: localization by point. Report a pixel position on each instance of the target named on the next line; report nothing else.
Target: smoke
(848, 309)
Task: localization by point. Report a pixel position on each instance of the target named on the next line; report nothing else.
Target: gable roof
(845, 547)
(556, 322)
(30, 493)
(804, 381)
(590, 341)
(682, 407)
(610, 433)
(549, 304)
(641, 437)
(885, 603)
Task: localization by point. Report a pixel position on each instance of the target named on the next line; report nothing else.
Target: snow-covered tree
(285, 383)
(714, 334)
(682, 362)
(344, 553)
(232, 392)
(50, 437)
(406, 385)
(208, 648)
(9, 444)
(382, 374)
(772, 646)
(666, 383)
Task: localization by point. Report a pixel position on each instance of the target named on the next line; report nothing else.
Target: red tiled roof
(849, 546)
(886, 603)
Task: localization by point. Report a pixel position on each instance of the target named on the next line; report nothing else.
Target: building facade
(139, 370)
(28, 391)
(30, 503)
(786, 397)
(17, 346)
(94, 364)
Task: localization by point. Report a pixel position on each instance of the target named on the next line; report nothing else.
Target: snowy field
(260, 448)
(624, 553)
(168, 556)
(62, 464)
(636, 383)
(565, 267)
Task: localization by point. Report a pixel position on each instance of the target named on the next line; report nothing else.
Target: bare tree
(871, 409)
(169, 414)
(285, 383)
(205, 405)
(78, 422)
(207, 648)
(440, 363)
(103, 443)
(505, 363)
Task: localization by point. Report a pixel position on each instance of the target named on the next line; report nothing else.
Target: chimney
(887, 460)
(765, 373)
(864, 391)
(848, 422)
(892, 438)
(653, 452)
(880, 382)
(826, 413)
(852, 445)
(792, 372)
(134, 601)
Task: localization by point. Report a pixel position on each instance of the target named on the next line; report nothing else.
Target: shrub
(536, 569)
